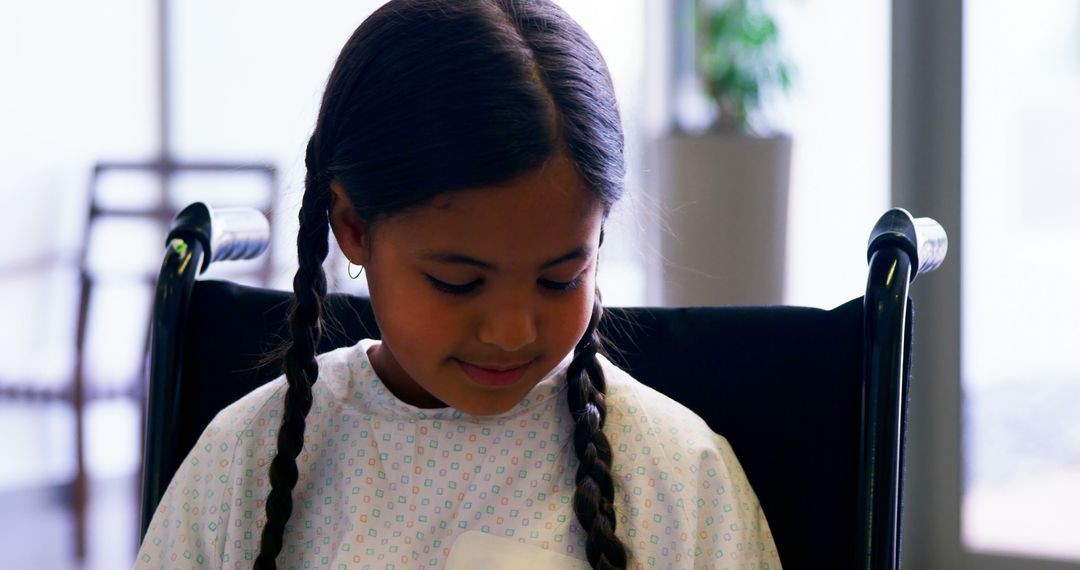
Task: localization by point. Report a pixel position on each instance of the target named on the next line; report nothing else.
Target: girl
(467, 154)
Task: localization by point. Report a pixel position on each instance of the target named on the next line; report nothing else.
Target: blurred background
(115, 114)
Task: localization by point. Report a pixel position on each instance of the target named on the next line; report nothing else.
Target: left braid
(594, 496)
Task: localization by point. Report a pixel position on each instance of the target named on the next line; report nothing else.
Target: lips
(493, 375)
(498, 367)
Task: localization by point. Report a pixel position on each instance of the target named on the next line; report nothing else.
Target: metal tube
(884, 391)
(183, 259)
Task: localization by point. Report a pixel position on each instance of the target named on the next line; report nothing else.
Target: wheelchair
(812, 401)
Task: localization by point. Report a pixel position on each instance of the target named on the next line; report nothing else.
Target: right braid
(301, 368)
(594, 497)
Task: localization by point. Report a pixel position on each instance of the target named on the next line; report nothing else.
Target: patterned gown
(386, 485)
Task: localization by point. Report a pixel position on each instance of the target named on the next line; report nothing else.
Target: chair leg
(79, 491)
(79, 494)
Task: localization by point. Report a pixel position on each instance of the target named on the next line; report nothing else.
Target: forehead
(544, 210)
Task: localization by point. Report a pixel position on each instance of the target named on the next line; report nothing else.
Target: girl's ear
(351, 231)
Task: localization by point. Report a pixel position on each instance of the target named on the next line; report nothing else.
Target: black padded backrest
(782, 384)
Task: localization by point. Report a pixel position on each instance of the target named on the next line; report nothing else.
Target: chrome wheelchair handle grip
(933, 244)
(225, 233)
(923, 239)
(238, 233)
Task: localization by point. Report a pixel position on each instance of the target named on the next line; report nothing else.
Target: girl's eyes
(561, 285)
(469, 287)
(452, 289)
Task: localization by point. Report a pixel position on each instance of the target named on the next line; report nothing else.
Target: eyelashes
(452, 289)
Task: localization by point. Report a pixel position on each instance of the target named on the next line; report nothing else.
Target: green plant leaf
(739, 57)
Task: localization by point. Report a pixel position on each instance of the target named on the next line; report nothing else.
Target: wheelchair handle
(923, 239)
(900, 248)
(198, 235)
(225, 233)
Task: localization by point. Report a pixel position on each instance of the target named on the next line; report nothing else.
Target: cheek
(412, 318)
(572, 318)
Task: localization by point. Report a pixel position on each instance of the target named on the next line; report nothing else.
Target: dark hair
(435, 96)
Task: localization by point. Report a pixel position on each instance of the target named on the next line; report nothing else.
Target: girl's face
(493, 277)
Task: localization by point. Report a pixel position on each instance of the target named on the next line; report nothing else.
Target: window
(1021, 314)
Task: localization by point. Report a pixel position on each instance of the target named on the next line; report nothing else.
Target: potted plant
(725, 187)
(738, 60)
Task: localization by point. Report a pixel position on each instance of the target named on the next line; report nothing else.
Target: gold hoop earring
(349, 269)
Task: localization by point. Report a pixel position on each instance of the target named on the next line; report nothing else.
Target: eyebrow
(452, 257)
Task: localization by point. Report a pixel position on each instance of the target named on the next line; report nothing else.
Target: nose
(510, 329)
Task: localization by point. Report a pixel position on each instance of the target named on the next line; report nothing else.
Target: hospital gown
(384, 484)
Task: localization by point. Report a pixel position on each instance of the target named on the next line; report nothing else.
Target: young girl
(467, 154)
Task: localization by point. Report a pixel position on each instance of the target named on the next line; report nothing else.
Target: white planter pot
(725, 199)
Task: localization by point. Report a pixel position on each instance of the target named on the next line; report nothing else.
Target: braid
(300, 366)
(594, 496)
